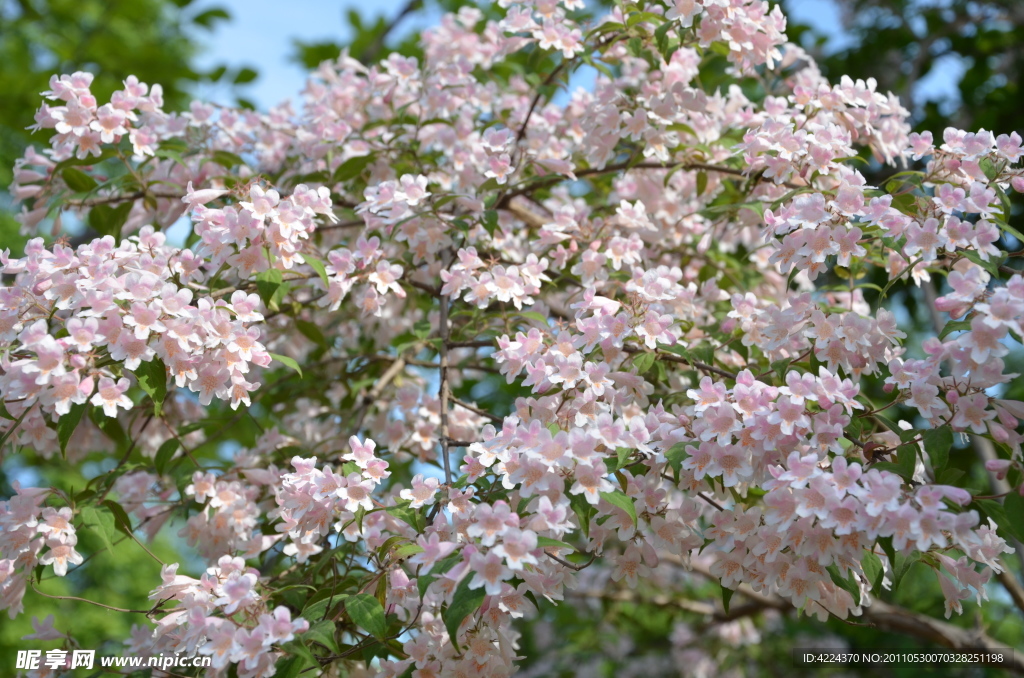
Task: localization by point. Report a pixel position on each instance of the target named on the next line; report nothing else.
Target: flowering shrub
(440, 344)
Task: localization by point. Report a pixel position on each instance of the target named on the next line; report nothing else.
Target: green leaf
(164, 455)
(548, 542)
(422, 329)
(295, 663)
(906, 461)
(992, 265)
(583, 510)
(67, 424)
(206, 19)
(873, 570)
(465, 601)
(622, 455)
(886, 544)
(245, 75)
(226, 159)
(321, 603)
(950, 476)
(121, 520)
(77, 180)
(990, 168)
(726, 597)
(352, 167)
(323, 632)
(319, 267)
(102, 523)
(404, 551)
(312, 332)
(780, 367)
(848, 584)
(287, 362)
(292, 666)
(1006, 227)
(889, 424)
(901, 566)
(618, 498)
(107, 220)
(490, 221)
(534, 315)
(643, 362)
(409, 516)
(367, 612)
(937, 442)
(677, 454)
(152, 378)
(1013, 507)
(899, 562)
(268, 283)
(954, 326)
(702, 182)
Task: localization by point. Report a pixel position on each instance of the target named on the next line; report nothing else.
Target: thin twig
(91, 602)
(472, 408)
(445, 395)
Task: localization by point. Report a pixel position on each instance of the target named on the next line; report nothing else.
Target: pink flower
(110, 395)
(489, 571)
(422, 492)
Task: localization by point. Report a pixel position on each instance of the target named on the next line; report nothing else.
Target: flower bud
(998, 466)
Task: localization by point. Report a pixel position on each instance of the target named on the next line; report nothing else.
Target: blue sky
(260, 34)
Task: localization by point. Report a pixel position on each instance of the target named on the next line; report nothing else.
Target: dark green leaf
(287, 362)
(209, 17)
(102, 523)
(121, 520)
(152, 378)
(874, 572)
(907, 460)
(465, 601)
(548, 542)
(954, 326)
(245, 75)
(677, 454)
(937, 442)
(1013, 507)
(268, 283)
(319, 267)
(67, 424)
(312, 332)
(583, 510)
(164, 455)
(77, 180)
(726, 597)
(643, 362)
(367, 612)
(352, 167)
(323, 632)
(619, 499)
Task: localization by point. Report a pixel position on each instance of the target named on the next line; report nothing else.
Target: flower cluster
(71, 313)
(32, 535)
(228, 588)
